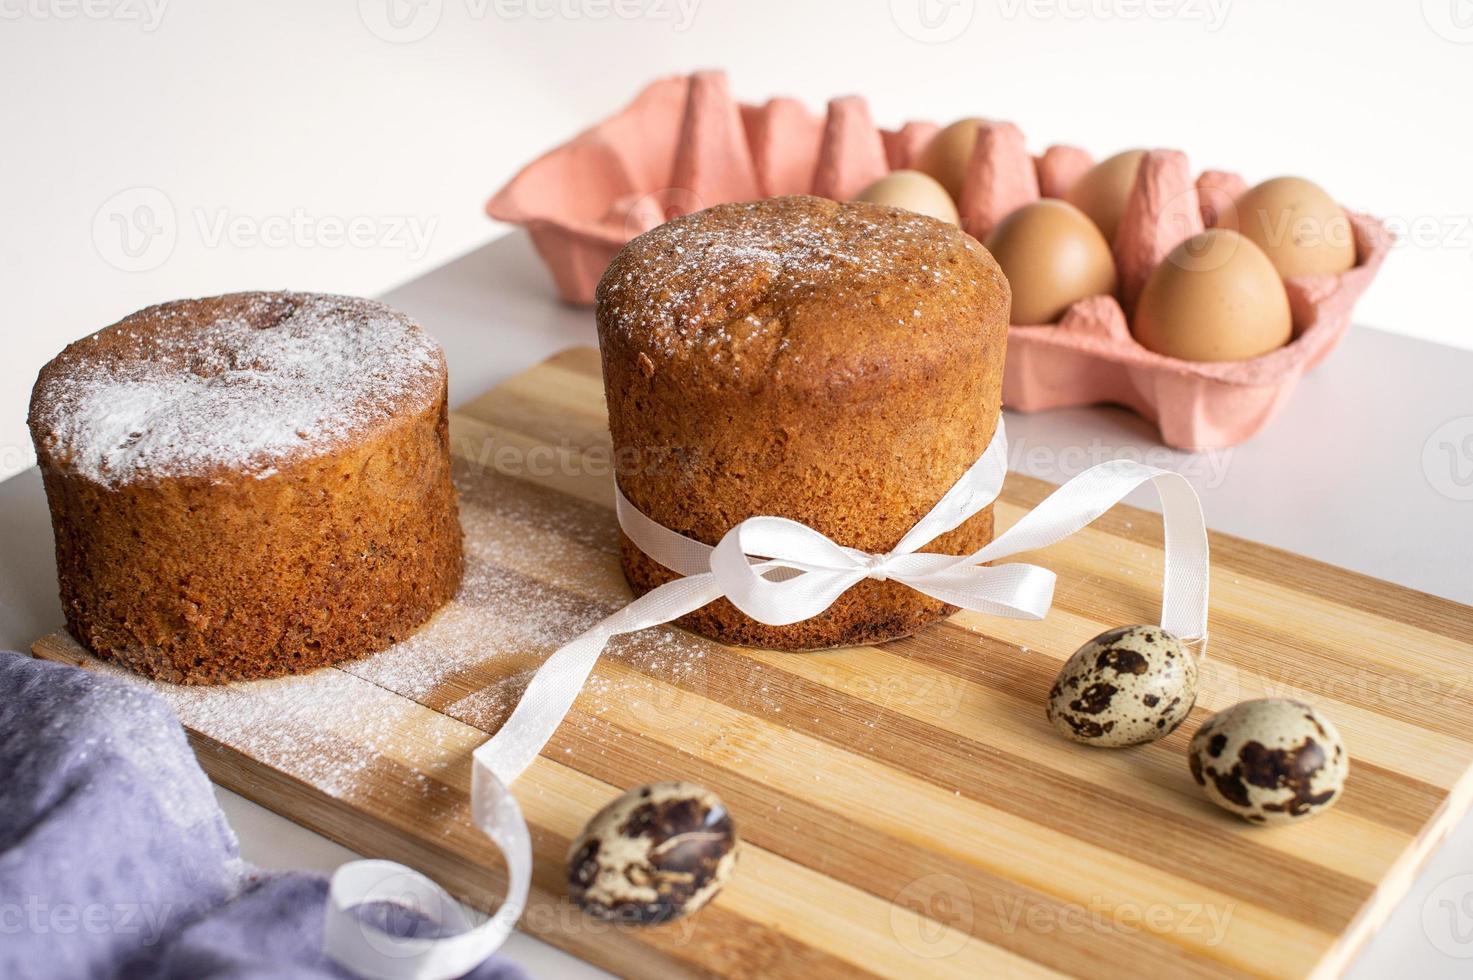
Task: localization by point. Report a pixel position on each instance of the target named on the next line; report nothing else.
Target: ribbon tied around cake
(778, 572)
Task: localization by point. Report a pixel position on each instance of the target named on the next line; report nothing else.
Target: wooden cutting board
(905, 809)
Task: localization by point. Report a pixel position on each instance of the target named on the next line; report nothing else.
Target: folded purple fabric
(115, 860)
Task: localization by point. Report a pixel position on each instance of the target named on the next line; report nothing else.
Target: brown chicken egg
(1052, 256)
(914, 191)
(1215, 297)
(1269, 761)
(654, 854)
(947, 155)
(1104, 188)
(1299, 227)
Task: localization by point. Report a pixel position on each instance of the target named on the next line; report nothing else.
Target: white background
(249, 117)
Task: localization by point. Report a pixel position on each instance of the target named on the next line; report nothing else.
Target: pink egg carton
(685, 144)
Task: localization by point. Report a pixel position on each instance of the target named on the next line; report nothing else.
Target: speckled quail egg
(654, 854)
(1269, 761)
(1127, 686)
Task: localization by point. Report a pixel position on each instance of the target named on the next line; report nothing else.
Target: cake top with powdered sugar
(755, 285)
(238, 384)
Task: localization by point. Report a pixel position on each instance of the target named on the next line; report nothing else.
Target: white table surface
(1342, 477)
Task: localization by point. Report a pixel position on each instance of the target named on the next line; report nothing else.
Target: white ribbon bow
(777, 571)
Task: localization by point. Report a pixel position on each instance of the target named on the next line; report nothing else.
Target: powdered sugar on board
(325, 728)
(241, 383)
(339, 729)
(537, 575)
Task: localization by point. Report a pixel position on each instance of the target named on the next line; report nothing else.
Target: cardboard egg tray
(685, 144)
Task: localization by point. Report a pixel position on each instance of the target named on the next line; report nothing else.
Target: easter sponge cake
(248, 485)
(837, 364)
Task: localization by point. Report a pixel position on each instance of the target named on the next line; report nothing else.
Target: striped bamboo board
(905, 809)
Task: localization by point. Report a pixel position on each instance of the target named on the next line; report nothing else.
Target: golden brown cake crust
(249, 485)
(837, 364)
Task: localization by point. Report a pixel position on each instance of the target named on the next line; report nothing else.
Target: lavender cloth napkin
(115, 860)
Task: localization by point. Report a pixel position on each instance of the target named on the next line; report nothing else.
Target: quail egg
(654, 854)
(1269, 761)
(1127, 686)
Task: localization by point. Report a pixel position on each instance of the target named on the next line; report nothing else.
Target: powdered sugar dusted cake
(249, 485)
(837, 364)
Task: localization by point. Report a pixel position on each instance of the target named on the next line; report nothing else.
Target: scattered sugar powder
(526, 592)
(245, 382)
(500, 622)
(679, 285)
(338, 728)
(325, 728)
